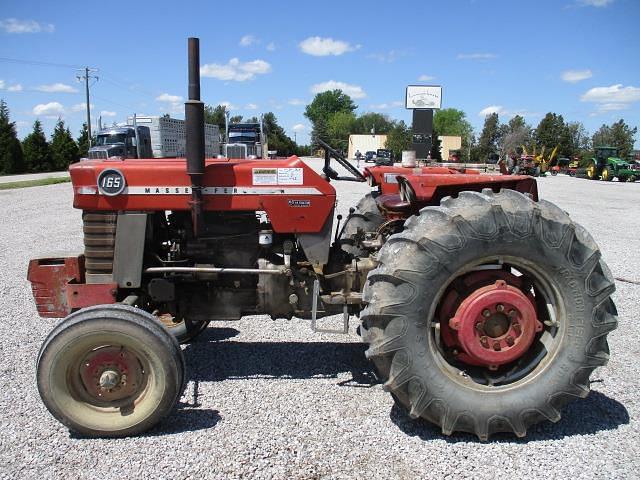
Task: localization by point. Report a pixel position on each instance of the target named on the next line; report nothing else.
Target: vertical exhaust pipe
(194, 124)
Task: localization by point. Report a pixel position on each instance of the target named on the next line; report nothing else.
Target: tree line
(571, 138)
(35, 153)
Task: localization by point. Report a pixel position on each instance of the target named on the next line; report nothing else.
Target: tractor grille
(97, 155)
(99, 242)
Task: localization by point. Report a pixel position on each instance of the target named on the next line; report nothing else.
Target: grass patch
(34, 183)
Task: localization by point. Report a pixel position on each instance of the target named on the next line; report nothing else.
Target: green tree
(236, 119)
(453, 122)
(37, 155)
(319, 132)
(623, 137)
(63, 148)
(399, 139)
(339, 126)
(216, 116)
(83, 142)
(325, 104)
(11, 158)
(277, 139)
(552, 131)
(488, 142)
(580, 140)
(372, 122)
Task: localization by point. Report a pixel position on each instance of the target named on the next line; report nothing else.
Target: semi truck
(149, 137)
(245, 140)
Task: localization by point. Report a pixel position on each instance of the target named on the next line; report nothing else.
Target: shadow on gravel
(591, 415)
(186, 420)
(239, 360)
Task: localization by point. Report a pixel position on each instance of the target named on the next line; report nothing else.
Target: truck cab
(121, 142)
(245, 140)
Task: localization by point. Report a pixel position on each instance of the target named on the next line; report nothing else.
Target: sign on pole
(423, 97)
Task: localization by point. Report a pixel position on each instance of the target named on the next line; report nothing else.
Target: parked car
(370, 156)
(384, 157)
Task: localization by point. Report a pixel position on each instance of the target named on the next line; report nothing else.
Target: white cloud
(296, 102)
(612, 98)
(271, 47)
(251, 106)
(1, 84)
(612, 94)
(425, 78)
(594, 3)
(574, 76)
(56, 88)
(80, 107)
(13, 25)
(248, 40)
(15, 88)
(354, 91)
(499, 109)
(386, 106)
(476, 56)
(298, 127)
(322, 47)
(235, 70)
(228, 105)
(50, 109)
(165, 97)
(107, 113)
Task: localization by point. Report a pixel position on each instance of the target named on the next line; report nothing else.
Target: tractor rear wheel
(591, 171)
(488, 313)
(110, 371)
(365, 218)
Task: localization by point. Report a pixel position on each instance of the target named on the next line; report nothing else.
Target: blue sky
(579, 58)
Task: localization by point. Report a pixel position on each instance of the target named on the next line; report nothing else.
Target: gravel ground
(270, 399)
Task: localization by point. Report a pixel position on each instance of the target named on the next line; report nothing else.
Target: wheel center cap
(109, 379)
(495, 325)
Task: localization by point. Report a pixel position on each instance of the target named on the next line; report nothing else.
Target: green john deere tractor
(606, 165)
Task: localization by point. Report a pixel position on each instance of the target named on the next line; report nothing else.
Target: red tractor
(484, 309)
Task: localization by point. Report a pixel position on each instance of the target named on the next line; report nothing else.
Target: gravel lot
(270, 399)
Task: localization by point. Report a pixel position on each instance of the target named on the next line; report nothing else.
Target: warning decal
(278, 176)
(265, 176)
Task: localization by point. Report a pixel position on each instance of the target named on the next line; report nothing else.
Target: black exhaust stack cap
(194, 124)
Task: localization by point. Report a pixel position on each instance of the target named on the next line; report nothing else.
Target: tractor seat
(392, 203)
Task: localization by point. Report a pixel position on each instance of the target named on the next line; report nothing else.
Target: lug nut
(484, 341)
(510, 340)
(516, 327)
(512, 313)
(486, 313)
(500, 308)
(480, 326)
(496, 346)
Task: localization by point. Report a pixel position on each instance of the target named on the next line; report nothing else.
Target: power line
(38, 63)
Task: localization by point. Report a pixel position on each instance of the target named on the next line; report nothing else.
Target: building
(365, 143)
(448, 144)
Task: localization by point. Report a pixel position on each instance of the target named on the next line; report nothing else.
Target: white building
(365, 143)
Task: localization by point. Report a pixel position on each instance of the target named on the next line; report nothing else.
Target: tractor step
(314, 315)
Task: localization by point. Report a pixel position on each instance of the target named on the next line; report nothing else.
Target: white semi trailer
(150, 137)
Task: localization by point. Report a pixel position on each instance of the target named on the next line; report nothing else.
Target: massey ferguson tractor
(484, 308)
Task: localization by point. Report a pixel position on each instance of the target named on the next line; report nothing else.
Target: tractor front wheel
(110, 371)
(591, 171)
(488, 313)
(607, 176)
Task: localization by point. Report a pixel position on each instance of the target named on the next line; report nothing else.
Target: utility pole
(86, 76)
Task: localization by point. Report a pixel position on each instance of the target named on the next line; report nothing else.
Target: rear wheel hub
(494, 325)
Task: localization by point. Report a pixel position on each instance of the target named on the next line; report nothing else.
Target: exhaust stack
(194, 124)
